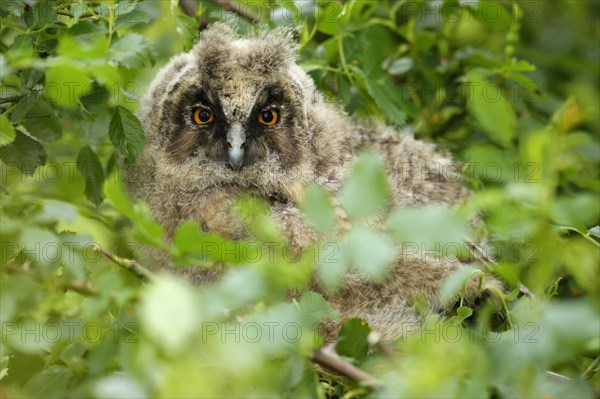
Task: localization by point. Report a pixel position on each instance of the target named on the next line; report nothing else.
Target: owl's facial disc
(236, 142)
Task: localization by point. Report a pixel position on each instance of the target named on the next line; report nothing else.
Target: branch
(238, 8)
(81, 288)
(334, 362)
(188, 7)
(128, 264)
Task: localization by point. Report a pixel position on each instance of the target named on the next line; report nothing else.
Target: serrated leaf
(7, 131)
(126, 134)
(366, 190)
(132, 51)
(90, 167)
(41, 121)
(41, 15)
(24, 153)
(354, 339)
(317, 207)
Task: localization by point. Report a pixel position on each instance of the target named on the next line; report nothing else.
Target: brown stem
(128, 264)
(81, 288)
(188, 7)
(238, 8)
(335, 363)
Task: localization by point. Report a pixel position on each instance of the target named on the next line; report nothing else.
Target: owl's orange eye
(268, 117)
(202, 116)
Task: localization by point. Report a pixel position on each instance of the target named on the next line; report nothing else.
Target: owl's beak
(236, 142)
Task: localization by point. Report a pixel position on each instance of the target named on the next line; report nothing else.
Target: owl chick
(236, 115)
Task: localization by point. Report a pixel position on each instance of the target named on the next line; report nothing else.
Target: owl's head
(232, 107)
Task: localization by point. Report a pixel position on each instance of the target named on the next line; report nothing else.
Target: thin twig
(128, 264)
(81, 288)
(334, 362)
(590, 371)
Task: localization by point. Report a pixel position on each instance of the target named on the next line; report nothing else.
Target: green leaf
(146, 229)
(128, 20)
(126, 134)
(387, 98)
(41, 15)
(370, 252)
(21, 49)
(495, 114)
(317, 207)
(119, 386)
(366, 189)
(71, 47)
(464, 312)
(132, 51)
(195, 246)
(354, 339)
(50, 383)
(187, 27)
(401, 66)
(65, 84)
(169, 313)
(24, 152)
(90, 167)
(431, 229)
(41, 121)
(7, 132)
(454, 283)
(315, 308)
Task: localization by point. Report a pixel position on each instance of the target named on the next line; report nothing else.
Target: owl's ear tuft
(273, 50)
(211, 47)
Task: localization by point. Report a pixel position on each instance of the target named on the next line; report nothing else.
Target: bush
(510, 88)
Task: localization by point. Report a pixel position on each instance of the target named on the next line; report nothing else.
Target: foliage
(511, 89)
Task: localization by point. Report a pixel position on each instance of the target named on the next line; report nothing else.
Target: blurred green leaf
(169, 313)
(366, 190)
(132, 51)
(370, 252)
(488, 105)
(317, 208)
